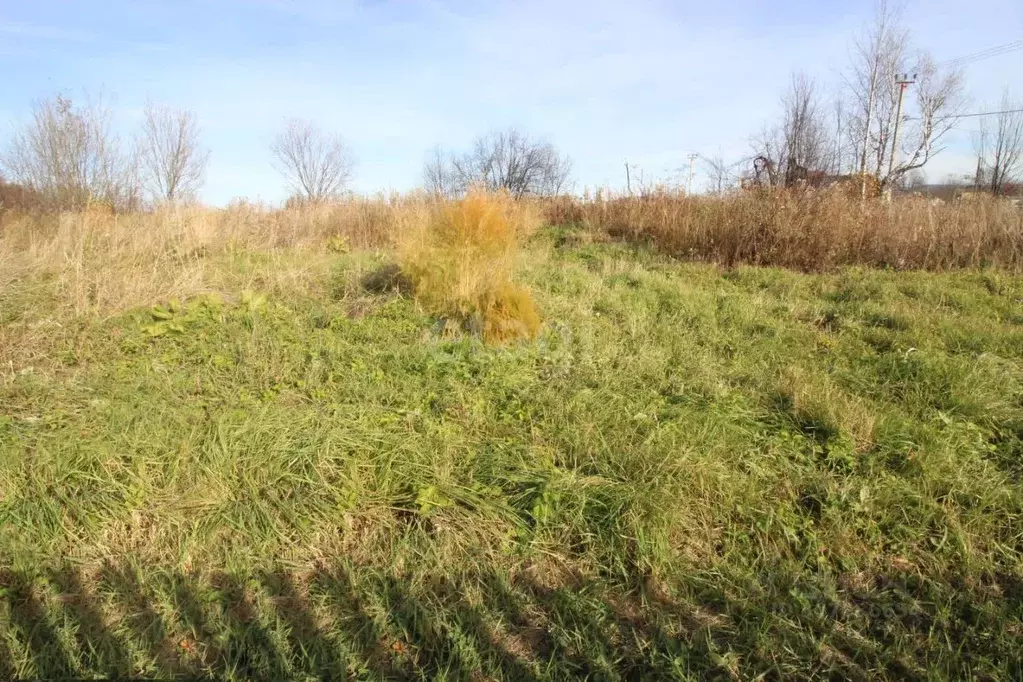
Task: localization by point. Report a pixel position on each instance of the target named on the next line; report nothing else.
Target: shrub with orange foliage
(509, 313)
(462, 259)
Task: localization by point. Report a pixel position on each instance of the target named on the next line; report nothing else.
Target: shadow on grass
(138, 616)
(361, 622)
(92, 635)
(34, 626)
(293, 606)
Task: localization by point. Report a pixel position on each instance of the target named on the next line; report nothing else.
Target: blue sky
(641, 80)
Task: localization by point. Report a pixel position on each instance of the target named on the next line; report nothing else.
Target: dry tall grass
(55, 268)
(809, 230)
(100, 262)
(462, 260)
(462, 254)
(58, 270)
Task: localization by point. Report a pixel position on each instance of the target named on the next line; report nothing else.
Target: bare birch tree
(317, 165)
(872, 56)
(934, 99)
(172, 161)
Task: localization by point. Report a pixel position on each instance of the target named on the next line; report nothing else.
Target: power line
(985, 54)
(988, 113)
(995, 51)
(979, 113)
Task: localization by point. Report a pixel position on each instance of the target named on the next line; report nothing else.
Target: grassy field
(692, 472)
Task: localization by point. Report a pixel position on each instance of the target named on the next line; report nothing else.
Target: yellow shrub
(509, 313)
(461, 262)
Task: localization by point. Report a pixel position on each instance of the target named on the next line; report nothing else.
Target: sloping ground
(691, 472)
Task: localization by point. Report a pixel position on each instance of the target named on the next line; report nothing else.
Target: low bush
(462, 259)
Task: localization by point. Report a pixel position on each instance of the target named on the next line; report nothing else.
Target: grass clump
(462, 260)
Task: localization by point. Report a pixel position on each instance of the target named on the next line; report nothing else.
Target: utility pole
(628, 180)
(692, 161)
(903, 81)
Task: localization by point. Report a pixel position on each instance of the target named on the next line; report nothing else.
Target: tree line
(67, 156)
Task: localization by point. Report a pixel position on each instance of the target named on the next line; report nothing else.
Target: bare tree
(844, 147)
(506, 160)
(317, 164)
(808, 140)
(172, 162)
(938, 99)
(723, 175)
(802, 143)
(1000, 147)
(937, 96)
(436, 173)
(68, 155)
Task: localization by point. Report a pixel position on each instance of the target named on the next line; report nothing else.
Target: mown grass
(690, 473)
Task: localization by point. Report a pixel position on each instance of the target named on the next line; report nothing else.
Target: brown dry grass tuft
(809, 230)
(461, 262)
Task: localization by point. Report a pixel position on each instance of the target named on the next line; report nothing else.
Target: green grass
(690, 473)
